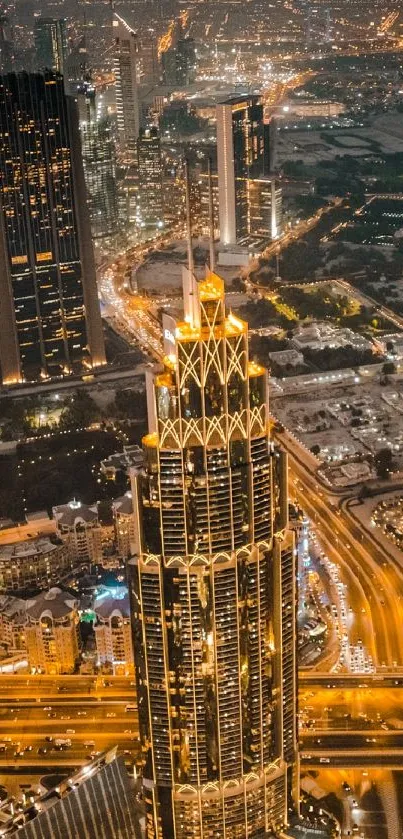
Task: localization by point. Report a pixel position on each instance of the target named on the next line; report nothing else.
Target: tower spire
(211, 217)
(191, 266)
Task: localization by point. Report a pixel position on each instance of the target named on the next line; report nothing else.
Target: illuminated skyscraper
(50, 321)
(150, 177)
(50, 44)
(127, 99)
(213, 588)
(243, 154)
(99, 159)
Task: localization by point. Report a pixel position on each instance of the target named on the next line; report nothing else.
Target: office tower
(96, 800)
(99, 161)
(179, 63)
(50, 321)
(6, 46)
(243, 153)
(265, 207)
(150, 177)
(127, 99)
(50, 44)
(52, 632)
(213, 588)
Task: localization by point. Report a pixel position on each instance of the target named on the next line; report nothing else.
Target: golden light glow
(212, 288)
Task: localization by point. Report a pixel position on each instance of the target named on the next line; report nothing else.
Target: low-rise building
(130, 457)
(12, 624)
(33, 563)
(124, 525)
(78, 526)
(113, 629)
(52, 632)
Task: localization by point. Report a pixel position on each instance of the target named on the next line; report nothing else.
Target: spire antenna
(191, 266)
(211, 216)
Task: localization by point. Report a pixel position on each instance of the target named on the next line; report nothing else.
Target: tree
(315, 449)
(389, 368)
(80, 411)
(383, 463)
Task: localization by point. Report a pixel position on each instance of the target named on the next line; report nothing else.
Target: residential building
(12, 624)
(34, 563)
(213, 588)
(50, 321)
(124, 525)
(52, 632)
(127, 96)
(78, 526)
(112, 628)
(50, 44)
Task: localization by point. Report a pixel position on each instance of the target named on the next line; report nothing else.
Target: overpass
(385, 678)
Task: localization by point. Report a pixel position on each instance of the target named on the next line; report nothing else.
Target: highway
(375, 587)
(90, 712)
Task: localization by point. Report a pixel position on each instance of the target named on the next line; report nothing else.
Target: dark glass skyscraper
(50, 44)
(213, 588)
(243, 154)
(49, 316)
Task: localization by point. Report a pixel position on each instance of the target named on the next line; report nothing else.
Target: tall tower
(213, 588)
(127, 98)
(50, 44)
(150, 177)
(99, 160)
(50, 321)
(243, 153)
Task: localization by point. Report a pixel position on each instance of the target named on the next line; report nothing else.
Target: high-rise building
(52, 632)
(127, 97)
(97, 800)
(6, 46)
(150, 177)
(213, 588)
(243, 154)
(179, 63)
(50, 44)
(50, 320)
(99, 160)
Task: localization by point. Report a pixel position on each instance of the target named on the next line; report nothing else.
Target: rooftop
(57, 602)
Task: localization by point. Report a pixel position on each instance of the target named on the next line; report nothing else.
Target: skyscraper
(127, 99)
(213, 588)
(50, 44)
(99, 159)
(97, 800)
(150, 177)
(50, 320)
(243, 153)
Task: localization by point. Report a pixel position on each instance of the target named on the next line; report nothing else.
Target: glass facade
(99, 160)
(40, 232)
(206, 588)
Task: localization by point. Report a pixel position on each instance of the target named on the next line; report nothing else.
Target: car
(47, 708)
(70, 731)
(42, 750)
(111, 714)
(82, 713)
(49, 738)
